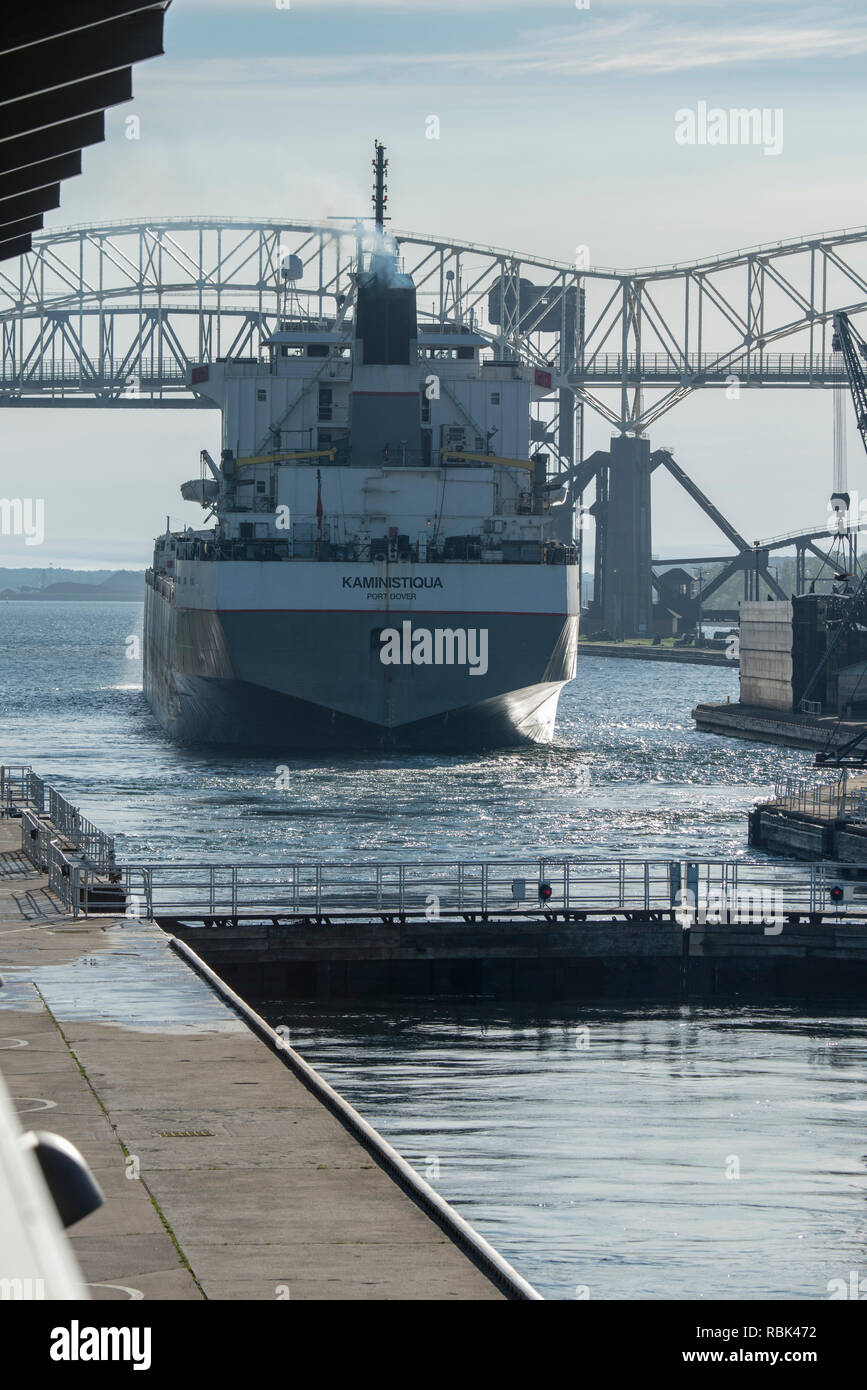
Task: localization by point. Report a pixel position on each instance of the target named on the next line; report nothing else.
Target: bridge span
(114, 314)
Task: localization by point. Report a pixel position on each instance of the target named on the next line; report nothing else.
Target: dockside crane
(848, 341)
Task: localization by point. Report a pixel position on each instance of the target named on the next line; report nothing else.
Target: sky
(556, 128)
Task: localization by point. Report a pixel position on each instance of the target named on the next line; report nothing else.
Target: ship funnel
(386, 317)
(385, 399)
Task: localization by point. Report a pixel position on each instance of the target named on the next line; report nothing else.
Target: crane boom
(854, 349)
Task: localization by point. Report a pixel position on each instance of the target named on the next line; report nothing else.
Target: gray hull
(304, 680)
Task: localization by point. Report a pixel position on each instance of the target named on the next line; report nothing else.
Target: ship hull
(218, 670)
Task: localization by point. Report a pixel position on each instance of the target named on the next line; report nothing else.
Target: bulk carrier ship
(377, 575)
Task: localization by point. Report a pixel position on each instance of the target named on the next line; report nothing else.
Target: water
(655, 1153)
(608, 1167)
(627, 774)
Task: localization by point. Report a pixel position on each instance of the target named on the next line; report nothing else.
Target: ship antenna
(380, 194)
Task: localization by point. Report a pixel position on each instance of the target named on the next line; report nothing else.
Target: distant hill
(92, 586)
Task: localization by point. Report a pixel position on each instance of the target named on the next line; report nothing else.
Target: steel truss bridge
(114, 314)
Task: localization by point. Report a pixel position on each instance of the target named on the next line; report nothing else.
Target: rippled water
(600, 1167)
(71, 704)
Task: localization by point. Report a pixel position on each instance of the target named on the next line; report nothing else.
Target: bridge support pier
(624, 595)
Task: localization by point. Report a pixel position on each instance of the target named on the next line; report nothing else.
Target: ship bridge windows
(317, 350)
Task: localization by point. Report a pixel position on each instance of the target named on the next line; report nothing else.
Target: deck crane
(848, 341)
(854, 349)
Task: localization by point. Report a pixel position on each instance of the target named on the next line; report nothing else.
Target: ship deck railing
(270, 548)
(160, 583)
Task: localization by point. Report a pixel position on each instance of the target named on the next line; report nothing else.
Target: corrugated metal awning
(61, 66)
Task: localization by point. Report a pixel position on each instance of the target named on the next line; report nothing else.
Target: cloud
(637, 43)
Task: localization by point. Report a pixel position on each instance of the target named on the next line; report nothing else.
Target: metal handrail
(19, 786)
(58, 840)
(722, 364)
(856, 809)
(68, 877)
(434, 890)
(670, 366)
(823, 800)
(21, 789)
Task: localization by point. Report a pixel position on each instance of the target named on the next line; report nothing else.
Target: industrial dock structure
(815, 820)
(803, 667)
(801, 674)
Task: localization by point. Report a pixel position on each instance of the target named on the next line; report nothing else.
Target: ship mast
(380, 194)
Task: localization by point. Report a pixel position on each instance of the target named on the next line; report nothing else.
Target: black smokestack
(386, 321)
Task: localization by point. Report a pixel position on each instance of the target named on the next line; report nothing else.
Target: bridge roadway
(68, 382)
(248, 1187)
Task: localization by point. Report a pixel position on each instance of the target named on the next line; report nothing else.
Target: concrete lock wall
(766, 655)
